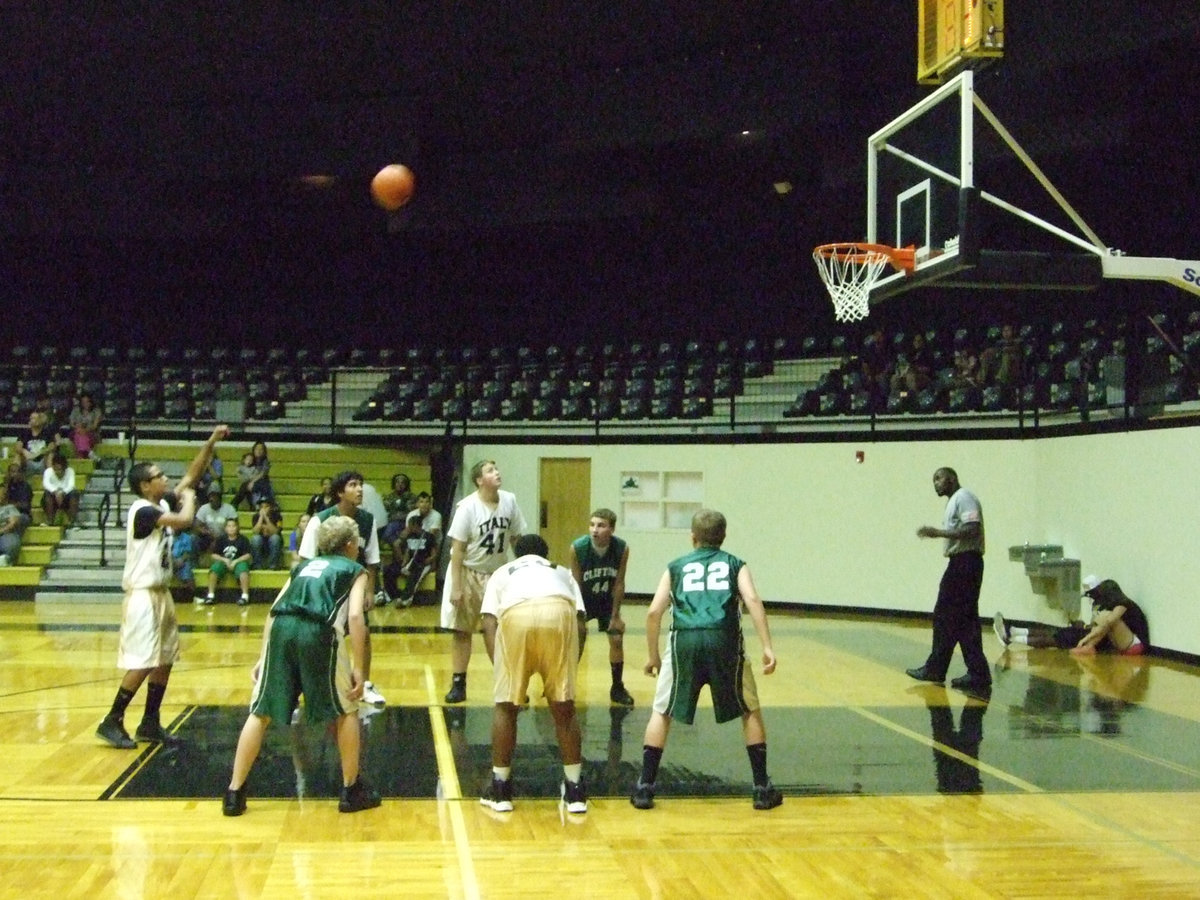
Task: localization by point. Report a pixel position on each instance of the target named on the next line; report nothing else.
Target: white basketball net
(849, 272)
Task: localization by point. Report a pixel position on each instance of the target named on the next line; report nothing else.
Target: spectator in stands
(20, 494)
(966, 369)
(876, 365)
(183, 554)
(12, 528)
(231, 553)
(914, 368)
(417, 550)
(1118, 625)
(1001, 363)
(55, 424)
(295, 538)
(59, 493)
(85, 426)
(212, 476)
(36, 444)
(210, 521)
(266, 536)
(322, 499)
(247, 475)
(262, 486)
(254, 477)
(396, 506)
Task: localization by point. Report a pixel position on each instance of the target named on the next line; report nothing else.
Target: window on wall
(658, 500)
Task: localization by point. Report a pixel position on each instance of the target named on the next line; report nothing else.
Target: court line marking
(450, 790)
(1000, 774)
(113, 792)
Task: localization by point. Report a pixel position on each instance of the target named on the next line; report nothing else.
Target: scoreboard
(953, 35)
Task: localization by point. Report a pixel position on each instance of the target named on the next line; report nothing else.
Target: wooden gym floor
(1079, 777)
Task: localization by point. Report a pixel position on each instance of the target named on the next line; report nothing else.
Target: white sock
(1019, 635)
(501, 773)
(246, 597)
(573, 772)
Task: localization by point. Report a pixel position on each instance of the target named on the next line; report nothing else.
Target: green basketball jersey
(363, 519)
(319, 590)
(599, 571)
(704, 591)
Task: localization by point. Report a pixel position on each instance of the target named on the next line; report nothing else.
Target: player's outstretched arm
(203, 457)
(758, 615)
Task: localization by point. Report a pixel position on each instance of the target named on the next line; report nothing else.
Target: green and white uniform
(306, 651)
(704, 645)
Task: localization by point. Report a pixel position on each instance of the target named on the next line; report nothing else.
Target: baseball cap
(213, 489)
(1089, 583)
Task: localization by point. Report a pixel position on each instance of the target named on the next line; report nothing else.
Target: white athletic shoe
(1001, 628)
(372, 696)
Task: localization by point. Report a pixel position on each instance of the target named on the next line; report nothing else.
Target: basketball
(393, 186)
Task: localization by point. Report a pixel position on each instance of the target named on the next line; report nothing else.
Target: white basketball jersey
(148, 559)
(487, 531)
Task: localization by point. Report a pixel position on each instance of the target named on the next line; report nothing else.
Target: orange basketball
(393, 186)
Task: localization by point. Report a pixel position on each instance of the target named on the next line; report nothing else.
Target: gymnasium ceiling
(627, 152)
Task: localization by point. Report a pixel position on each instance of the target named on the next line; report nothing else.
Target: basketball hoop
(850, 270)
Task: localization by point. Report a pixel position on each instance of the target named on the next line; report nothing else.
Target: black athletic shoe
(972, 687)
(114, 733)
(922, 674)
(358, 796)
(498, 795)
(574, 796)
(642, 796)
(153, 733)
(620, 696)
(458, 693)
(767, 796)
(235, 802)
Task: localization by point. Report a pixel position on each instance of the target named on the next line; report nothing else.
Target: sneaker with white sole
(498, 795)
(372, 696)
(1001, 628)
(574, 796)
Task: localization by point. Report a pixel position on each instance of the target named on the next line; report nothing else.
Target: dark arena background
(582, 169)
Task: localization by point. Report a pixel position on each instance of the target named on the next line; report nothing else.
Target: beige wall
(817, 527)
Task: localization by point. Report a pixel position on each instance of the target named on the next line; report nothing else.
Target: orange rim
(861, 252)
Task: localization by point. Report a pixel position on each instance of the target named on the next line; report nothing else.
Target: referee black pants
(956, 618)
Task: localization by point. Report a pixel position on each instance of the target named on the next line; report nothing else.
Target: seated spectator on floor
(231, 553)
(210, 521)
(914, 368)
(12, 528)
(59, 494)
(294, 540)
(1001, 364)
(36, 444)
(266, 536)
(20, 494)
(323, 499)
(85, 426)
(1118, 626)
